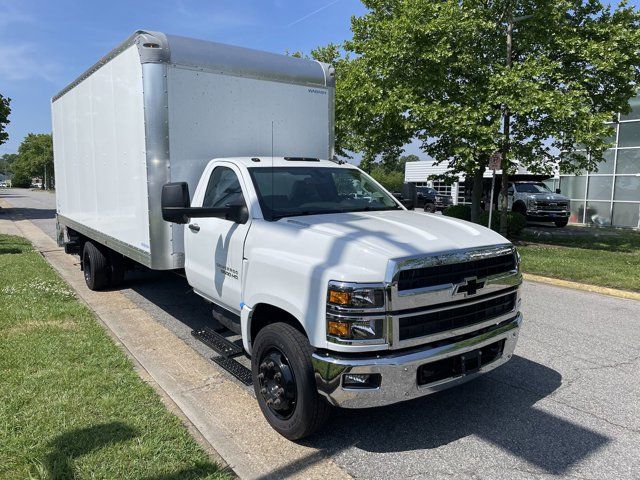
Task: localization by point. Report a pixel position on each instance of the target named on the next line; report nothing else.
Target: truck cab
(341, 295)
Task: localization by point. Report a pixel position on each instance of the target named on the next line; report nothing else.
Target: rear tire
(562, 222)
(95, 265)
(284, 382)
(116, 269)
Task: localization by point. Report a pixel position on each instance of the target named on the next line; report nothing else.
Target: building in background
(609, 196)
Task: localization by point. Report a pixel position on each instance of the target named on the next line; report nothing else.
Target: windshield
(425, 190)
(292, 191)
(532, 188)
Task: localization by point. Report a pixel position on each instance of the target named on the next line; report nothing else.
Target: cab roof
(268, 161)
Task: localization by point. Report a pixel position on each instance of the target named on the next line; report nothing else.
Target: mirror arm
(198, 212)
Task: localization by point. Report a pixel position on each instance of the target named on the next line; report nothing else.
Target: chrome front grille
(455, 272)
(454, 316)
(551, 206)
(435, 297)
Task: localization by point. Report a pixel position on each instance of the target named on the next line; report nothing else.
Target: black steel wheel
(277, 383)
(429, 208)
(284, 381)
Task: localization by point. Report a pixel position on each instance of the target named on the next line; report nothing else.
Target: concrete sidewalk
(223, 413)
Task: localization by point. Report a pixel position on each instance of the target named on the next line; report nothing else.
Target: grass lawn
(604, 257)
(71, 404)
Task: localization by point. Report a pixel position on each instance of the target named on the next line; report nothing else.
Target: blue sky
(46, 44)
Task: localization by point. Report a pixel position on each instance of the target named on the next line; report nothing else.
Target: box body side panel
(212, 115)
(99, 152)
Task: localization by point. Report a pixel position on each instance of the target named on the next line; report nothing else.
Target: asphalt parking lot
(566, 406)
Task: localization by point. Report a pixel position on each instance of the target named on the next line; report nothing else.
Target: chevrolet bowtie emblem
(469, 286)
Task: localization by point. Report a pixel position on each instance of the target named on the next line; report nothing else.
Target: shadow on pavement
(499, 408)
(29, 213)
(172, 294)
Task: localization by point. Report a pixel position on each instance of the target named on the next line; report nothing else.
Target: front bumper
(399, 370)
(552, 214)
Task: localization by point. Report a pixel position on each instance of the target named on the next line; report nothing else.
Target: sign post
(495, 160)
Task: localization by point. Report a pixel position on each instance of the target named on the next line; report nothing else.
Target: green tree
(5, 162)
(35, 158)
(391, 180)
(437, 71)
(5, 110)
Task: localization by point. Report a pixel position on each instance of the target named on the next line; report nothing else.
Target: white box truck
(177, 154)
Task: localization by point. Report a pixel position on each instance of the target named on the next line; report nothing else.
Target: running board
(235, 368)
(217, 342)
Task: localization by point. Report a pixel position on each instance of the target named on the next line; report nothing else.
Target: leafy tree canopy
(35, 153)
(5, 110)
(436, 70)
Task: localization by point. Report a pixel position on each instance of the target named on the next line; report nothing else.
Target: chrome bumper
(399, 370)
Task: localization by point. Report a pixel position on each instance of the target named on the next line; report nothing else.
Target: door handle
(194, 227)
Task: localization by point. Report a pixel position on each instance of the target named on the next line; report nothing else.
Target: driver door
(214, 246)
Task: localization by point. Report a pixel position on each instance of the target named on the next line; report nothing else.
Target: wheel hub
(277, 384)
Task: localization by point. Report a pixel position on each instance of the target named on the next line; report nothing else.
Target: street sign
(495, 161)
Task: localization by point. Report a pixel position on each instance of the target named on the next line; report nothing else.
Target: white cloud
(24, 61)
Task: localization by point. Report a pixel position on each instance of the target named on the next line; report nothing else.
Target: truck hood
(400, 233)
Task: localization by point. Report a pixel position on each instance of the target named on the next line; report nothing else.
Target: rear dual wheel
(102, 267)
(284, 382)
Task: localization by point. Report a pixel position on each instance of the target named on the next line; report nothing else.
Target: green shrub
(515, 222)
(20, 180)
(392, 181)
(463, 212)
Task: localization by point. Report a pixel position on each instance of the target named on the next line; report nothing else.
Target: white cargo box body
(157, 109)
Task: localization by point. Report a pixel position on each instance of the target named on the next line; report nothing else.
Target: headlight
(355, 312)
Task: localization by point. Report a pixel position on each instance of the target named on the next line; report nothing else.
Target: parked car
(213, 165)
(537, 202)
(430, 200)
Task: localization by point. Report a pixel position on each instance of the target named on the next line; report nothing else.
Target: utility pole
(506, 117)
(506, 123)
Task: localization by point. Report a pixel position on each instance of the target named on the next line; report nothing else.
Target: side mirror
(176, 206)
(408, 204)
(238, 212)
(558, 191)
(175, 200)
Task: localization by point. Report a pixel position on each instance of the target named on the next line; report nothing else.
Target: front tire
(430, 208)
(284, 382)
(562, 222)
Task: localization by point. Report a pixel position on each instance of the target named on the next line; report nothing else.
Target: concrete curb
(221, 413)
(582, 286)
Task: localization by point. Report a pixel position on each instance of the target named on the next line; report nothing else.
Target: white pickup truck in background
(340, 296)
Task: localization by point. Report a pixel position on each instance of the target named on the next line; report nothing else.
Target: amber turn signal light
(338, 329)
(338, 297)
